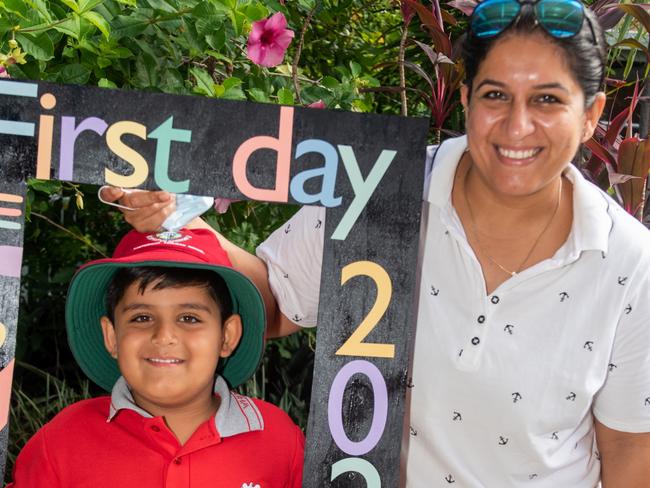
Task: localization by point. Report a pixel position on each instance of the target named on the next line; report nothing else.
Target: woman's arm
(624, 456)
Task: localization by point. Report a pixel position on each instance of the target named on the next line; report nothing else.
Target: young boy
(167, 326)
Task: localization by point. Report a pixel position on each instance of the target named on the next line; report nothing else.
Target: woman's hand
(149, 208)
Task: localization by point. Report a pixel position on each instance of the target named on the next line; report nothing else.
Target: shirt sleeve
(294, 256)
(623, 403)
(298, 460)
(33, 468)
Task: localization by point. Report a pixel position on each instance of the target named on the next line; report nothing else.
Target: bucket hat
(191, 249)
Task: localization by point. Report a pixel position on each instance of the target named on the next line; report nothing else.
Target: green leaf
(72, 4)
(71, 27)
(104, 83)
(161, 5)
(99, 22)
(217, 40)
(17, 7)
(45, 186)
(129, 26)
(39, 47)
(146, 71)
(285, 96)
(130, 3)
(256, 11)
(103, 62)
(355, 69)
(204, 82)
(259, 95)
(86, 5)
(41, 7)
(76, 74)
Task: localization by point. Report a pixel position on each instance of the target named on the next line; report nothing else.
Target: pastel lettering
(166, 134)
(280, 144)
(69, 134)
(134, 158)
(363, 189)
(327, 173)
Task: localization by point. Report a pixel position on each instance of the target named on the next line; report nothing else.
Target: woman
(532, 356)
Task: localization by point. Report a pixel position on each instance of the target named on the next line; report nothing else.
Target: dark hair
(585, 53)
(162, 278)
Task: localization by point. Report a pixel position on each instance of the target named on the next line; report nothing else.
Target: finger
(142, 198)
(149, 222)
(110, 193)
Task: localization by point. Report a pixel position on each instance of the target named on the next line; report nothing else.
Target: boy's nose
(164, 334)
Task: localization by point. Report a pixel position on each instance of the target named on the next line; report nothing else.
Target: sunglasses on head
(559, 18)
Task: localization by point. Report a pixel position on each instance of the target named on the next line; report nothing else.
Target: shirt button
(475, 341)
(155, 428)
(481, 319)
(495, 299)
(178, 460)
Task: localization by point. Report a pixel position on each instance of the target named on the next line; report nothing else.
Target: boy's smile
(167, 343)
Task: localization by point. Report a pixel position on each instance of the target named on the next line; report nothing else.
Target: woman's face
(526, 116)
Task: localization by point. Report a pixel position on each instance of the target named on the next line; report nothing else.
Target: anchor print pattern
(434, 291)
(589, 346)
(622, 280)
(457, 417)
(516, 396)
(319, 224)
(611, 367)
(628, 309)
(571, 397)
(503, 440)
(287, 229)
(450, 479)
(509, 328)
(563, 296)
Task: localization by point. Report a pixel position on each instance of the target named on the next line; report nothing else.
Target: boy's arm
(151, 208)
(33, 468)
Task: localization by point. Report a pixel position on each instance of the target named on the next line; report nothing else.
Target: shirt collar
(237, 414)
(592, 223)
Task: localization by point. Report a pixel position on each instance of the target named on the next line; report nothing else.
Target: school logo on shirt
(250, 485)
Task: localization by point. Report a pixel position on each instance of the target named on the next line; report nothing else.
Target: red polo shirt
(80, 448)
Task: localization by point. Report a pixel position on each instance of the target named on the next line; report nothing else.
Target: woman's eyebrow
(488, 81)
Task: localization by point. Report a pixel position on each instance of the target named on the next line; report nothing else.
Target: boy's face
(167, 344)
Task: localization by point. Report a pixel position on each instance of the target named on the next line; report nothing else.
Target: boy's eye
(189, 319)
(140, 319)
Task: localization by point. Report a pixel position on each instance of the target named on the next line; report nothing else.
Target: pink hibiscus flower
(268, 40)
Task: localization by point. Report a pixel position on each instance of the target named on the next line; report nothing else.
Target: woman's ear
(464, 97)
(231, 334)
(110, 341)
(592, 115)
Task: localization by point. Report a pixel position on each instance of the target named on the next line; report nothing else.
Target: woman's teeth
(518, 154)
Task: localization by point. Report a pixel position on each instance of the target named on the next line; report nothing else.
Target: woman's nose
(519, 120)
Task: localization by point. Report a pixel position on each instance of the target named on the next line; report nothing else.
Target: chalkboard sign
(366, 169)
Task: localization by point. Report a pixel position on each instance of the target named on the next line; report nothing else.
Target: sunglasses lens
(491, 17)
(560, 18)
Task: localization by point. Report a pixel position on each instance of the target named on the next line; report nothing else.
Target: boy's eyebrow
(146, 306)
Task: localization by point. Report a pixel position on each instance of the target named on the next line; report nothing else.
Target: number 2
(354, 345)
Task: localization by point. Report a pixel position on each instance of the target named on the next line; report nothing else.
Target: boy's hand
(149, 208)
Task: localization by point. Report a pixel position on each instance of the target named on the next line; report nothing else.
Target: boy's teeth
(523, 154)
(166, 361)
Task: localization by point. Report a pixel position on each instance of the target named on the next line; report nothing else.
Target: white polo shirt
(505, 385)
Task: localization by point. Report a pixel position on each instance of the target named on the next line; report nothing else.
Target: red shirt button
(177, 460)
(155, 428)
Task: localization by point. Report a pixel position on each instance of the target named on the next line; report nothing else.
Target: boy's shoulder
(79, 415)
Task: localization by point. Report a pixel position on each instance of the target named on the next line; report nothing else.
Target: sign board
(366, 169)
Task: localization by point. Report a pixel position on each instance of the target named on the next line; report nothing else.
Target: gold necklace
(478, 239)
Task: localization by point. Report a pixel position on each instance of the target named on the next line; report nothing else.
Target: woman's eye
(494, 95)
(546, 98)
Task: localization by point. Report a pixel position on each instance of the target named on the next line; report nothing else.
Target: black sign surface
(366, 169)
